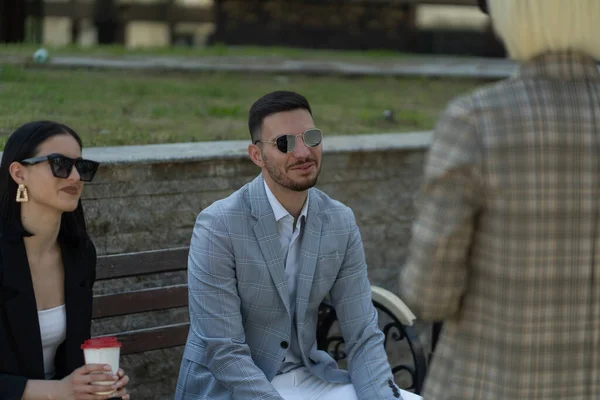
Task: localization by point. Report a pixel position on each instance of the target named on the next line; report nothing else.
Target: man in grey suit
(261, 262)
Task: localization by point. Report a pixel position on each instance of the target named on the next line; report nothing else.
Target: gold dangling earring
(22, 195)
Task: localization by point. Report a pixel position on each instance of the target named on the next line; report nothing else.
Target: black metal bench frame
(394, 333)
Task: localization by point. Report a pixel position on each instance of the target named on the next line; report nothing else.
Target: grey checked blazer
(239, 302)
(506, 247)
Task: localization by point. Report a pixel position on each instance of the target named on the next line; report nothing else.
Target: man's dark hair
(272, 103)
(24, 143)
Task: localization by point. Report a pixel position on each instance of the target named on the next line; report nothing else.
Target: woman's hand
(79, 386)
(123, 380)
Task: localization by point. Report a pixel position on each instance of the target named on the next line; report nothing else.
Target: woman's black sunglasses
(287, 143)
(61, 166)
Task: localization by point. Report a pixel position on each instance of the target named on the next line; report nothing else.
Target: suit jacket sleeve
(368, 366)
(435, 276)
(217, 340)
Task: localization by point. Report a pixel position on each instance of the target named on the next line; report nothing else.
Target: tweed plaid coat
(506, 246)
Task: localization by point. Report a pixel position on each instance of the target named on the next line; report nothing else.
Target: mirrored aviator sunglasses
(287, 143)
(61, 166)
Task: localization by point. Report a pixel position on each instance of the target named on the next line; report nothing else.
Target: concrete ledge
(419, 66)
(232, 149)
(414, 66)
(468, 68)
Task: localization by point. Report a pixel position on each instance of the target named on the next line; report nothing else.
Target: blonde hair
(529, 28)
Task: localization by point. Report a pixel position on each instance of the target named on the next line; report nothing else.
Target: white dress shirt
(290, 237)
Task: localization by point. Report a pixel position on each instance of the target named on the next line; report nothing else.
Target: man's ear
(18, 172)
(255, 155)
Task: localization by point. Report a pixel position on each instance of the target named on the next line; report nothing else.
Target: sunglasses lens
(313, 137)
(61, 166)
(87, 169)
(286, 143)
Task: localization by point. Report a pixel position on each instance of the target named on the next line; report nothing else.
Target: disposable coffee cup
(102, 350)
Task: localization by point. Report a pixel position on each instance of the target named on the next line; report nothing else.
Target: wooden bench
(396, 320)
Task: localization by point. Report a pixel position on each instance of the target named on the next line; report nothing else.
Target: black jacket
(21, 356)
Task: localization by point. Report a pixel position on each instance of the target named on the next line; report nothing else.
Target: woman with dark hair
(47, 269)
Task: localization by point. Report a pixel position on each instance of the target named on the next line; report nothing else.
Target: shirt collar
(278, 210)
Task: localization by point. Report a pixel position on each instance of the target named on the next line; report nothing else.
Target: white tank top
(53, 329)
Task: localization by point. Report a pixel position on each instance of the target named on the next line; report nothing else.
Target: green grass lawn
(122, 108)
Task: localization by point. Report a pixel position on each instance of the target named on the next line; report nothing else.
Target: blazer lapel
(309, 251)
(78, 296)
(21, 308)
(267, 236)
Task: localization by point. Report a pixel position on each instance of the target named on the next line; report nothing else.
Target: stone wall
(148, 197)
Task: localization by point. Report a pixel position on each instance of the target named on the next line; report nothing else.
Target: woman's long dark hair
(24, 143)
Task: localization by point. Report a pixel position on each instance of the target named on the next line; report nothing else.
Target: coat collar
(561, 65)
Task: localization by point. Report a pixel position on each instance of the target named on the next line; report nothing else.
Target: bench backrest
(144, 300)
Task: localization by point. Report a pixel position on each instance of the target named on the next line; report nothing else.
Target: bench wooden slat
(138, 301)
(163, 337)
(141, 263)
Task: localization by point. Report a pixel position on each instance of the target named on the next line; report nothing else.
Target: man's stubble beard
(288, 183)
